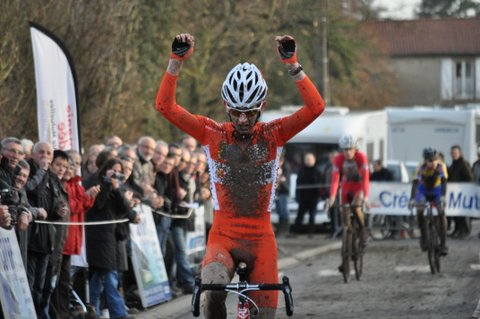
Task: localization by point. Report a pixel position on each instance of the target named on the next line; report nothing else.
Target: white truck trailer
(322, 135)
(410, 130)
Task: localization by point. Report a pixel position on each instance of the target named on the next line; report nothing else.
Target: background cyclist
(243, 157)
(352, 166)
(430, 184)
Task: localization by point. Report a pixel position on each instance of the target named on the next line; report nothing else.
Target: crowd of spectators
(52, 192)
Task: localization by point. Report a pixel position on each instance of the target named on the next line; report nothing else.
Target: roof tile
(446, 36)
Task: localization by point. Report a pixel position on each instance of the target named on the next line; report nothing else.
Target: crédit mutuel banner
(387, 198)
(56, 91)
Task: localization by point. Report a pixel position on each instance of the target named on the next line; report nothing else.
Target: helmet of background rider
(347, 141)
(244, 88)
(429, 153)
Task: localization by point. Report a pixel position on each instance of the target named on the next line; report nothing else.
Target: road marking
(475, 266)
(331, 272)
(413, 268)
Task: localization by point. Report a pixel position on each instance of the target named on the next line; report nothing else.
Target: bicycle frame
(432, 238)
(241, 288)
(351, 249)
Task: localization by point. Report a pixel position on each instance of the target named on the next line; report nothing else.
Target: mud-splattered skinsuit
(243, 175)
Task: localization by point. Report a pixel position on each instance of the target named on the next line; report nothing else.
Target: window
(464, 81)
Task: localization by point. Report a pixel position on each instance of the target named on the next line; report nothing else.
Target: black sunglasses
(248, 113)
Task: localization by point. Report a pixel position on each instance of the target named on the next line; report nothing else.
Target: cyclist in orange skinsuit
(243, 158)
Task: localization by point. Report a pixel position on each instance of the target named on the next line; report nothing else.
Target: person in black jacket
(307, 193)
(44, 192)
(460, 172)
(281, 197)
(383, 174)
(57, 170)
(180, 226)
(162, 223)
(101, 241)
(380, 173)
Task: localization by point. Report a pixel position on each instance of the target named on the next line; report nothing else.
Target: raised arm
(313, 102)
(182, 48)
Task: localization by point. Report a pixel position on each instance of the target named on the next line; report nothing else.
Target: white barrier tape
(117, 221)
(175, 216)
(307, 186)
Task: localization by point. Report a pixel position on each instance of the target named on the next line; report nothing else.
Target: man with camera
(11, 212)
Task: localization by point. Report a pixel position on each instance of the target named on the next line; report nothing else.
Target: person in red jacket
(352, 166)
(80, 201)
(243, 157)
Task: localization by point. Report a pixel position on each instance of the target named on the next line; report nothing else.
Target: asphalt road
(396, 283)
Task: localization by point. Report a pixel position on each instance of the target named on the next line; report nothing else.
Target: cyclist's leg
(442, 225)
(359, 215)
(420, 204)
(265, 270)
(344, 212)
(217, 267)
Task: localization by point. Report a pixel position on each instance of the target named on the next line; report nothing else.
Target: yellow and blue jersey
(428, 178)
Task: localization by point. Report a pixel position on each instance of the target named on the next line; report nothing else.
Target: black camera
(118, 176)
(10, 197)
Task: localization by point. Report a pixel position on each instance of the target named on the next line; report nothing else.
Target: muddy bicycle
(432, 236)
(352, 250)
(245, 304)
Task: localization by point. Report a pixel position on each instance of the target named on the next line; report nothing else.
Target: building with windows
(437, 61)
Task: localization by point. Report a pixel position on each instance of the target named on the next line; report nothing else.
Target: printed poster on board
(15, 295)
(147, 260)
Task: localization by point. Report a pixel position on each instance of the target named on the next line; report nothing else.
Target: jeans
(281, 206)
(107, 281)
(50, 284)
(184, 273)
(163, 229)
(36, 271)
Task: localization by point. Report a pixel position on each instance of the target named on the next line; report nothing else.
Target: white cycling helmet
(244, 88)
(347, 141)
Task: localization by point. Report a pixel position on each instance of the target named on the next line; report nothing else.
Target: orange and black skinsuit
(243, 176)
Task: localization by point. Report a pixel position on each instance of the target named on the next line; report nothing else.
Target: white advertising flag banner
(56, 98)
(57, 114)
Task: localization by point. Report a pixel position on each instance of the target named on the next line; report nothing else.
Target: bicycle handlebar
(363, 205)
(427, 205)
(284, 287)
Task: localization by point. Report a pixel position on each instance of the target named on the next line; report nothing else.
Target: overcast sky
(397, 9)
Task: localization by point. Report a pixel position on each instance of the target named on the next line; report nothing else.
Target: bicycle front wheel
(346, 253)
(436, 240)
(432, 251)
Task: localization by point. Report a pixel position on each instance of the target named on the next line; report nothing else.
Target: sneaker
(132, 310)
(104, 314)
